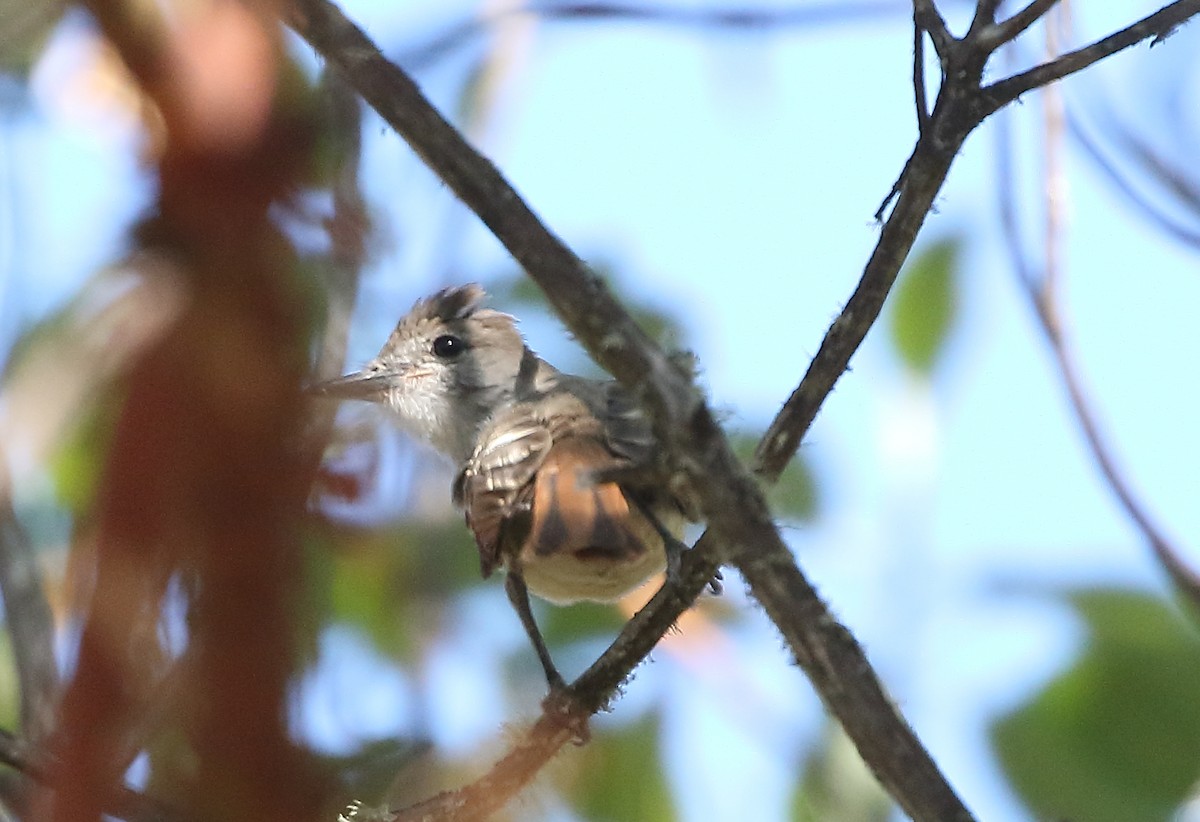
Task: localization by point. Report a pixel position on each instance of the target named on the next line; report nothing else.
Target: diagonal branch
(740, 524)
(1044, 302)
(998, 34)
(1130, 194)
(740, 529)
(1157, 26)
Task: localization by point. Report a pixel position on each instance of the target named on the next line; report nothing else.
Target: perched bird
(558, 475)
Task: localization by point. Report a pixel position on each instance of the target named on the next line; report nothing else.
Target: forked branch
(741, 531)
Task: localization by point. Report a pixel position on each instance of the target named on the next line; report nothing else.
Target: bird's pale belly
(563, 578)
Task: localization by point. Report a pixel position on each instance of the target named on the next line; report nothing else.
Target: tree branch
(918, 79)
(1158, 26)
(732, 504)
(985, 15)
(1156, 215)
(740, 528)
(998, 34)
(929, 19)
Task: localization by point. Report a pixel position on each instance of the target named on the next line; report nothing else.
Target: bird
(560, 477)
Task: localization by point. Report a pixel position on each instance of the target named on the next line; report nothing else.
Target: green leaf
(1117, 736)
(924, 305)
(391, 583)
(583, 620)
(620, 776)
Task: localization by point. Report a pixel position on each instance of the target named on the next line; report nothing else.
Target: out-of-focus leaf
(924, 305)
(836, 785)
(583, 620)
(76, 465)
(620, 776)
(795, 494)
(10, 689)
(24, 31)
(386, 582)
(1117, 736)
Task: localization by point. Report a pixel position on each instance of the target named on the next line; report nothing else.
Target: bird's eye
(449, 346)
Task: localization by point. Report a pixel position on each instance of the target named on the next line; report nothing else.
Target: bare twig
(923, 168)
(929, 19)
(998, 34)
(1055, 191)
(1038, 288)
(919, 91)
(1155, 27)
(733, 505)
(1164, 221)
(740, 530)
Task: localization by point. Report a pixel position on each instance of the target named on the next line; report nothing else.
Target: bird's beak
(361, 385)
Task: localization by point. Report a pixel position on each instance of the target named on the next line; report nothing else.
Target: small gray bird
(559, 476)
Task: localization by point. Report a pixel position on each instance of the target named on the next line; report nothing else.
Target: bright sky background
(733, 178)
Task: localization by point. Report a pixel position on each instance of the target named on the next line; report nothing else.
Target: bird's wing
(573, 513)
(495, 485)
(626, 427)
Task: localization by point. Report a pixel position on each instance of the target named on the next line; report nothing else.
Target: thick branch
(1157, 26)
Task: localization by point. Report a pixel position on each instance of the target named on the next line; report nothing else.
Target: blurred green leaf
(25, 30)
(924, 305)
(621, 776)
(10, 687)
(836, 785)
(583, 620)
(75, 466)
(1117, 736)
(389, 583)
(795, 494)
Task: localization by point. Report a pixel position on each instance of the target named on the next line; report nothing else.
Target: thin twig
(929, 19)
(998, 34)
(1157, 26)
(919, 91)
(1055, 191)
(1045, 309)
(1129, 193)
